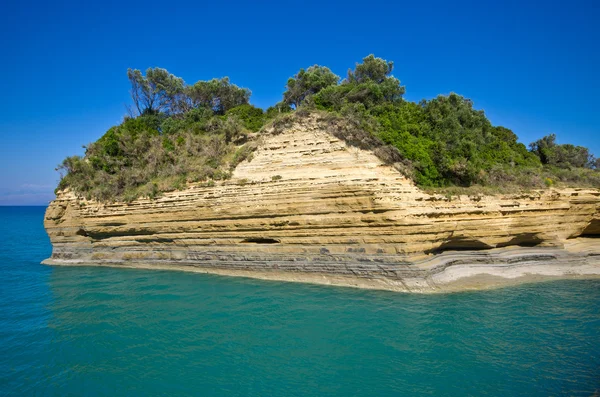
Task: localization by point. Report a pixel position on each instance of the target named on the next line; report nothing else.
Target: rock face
(309, 207)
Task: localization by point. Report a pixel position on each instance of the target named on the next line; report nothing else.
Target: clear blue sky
(532, 66)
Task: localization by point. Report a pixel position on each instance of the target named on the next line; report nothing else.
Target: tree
(373, 80)
(567, 156)
(372, 69)
(370, 83)
(308, 82)
(543, 147)
(251, 117)
(69, 165)
(277, 109)
(216, 94)
(156, 92)
(562, 156)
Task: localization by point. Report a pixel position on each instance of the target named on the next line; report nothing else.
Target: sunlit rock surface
(308, 207)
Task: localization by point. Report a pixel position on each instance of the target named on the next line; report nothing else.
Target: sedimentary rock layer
(309, 207)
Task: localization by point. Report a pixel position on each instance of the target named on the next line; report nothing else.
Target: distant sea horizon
(24, 205)
(104, 331)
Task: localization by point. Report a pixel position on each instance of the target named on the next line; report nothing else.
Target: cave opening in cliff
(260, 240)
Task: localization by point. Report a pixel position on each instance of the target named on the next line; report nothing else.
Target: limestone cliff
(309, 207)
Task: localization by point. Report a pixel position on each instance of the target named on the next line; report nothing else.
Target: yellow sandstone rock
(308, 207)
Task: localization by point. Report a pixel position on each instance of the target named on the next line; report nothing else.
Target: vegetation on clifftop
(178, 133)
(175, 134)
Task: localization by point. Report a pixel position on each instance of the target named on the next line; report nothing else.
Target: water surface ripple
(101, 331)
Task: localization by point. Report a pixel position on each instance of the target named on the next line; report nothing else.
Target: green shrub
(276, 110)
(252, 118)
(192, 133)
(243, 153)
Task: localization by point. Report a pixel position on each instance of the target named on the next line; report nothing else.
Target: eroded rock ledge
(308, 207)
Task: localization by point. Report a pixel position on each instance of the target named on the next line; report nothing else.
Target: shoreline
(311, 208)
(456, 278)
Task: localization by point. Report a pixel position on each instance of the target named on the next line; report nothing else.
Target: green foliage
(277, 110)
(372, 69)
(581, 177)
(308, 82)
(446, 140)
(232, 127)
(562, 156)
(570, 156)
(251, 117)
(542, 146)
(182, 133)
(243, 153)
(159, 92)
(370, 84)
(136, 159)
(464, 143)
(196, 120)
(216, 94)
(156, 92)
(168, 145)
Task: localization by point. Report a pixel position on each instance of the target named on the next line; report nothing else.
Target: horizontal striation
(307, 202)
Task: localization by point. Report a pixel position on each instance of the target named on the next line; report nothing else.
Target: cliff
(309, 207)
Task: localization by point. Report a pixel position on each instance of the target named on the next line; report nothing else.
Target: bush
(562, 156)
(251, 117)
(306, 83)
(128, 162)
(186, 134)
(243, 153)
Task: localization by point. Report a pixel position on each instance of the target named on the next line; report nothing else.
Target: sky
(532, 66)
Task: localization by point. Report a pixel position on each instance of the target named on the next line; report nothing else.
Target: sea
(94, 331)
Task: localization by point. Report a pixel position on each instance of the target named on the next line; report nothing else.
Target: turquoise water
(94, 331)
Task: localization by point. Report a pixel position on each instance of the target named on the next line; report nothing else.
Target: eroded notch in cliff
(459, 244)
(592, 230)
(82, 232)
(523, 240)
(260, 240)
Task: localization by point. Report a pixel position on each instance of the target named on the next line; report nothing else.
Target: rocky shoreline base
(447, 272)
